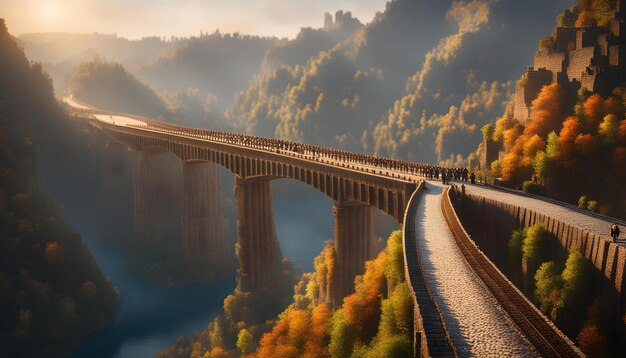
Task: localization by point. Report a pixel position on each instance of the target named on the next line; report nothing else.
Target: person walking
(615, 232)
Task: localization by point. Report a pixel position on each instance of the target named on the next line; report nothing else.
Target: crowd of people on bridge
(448, 174)
(376, 164)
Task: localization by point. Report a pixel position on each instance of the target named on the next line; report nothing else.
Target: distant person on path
(473, 178)
(615, 232)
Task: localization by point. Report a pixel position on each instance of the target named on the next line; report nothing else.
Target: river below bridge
(152, 317)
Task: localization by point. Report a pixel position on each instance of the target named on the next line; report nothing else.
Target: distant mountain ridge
(416, 83)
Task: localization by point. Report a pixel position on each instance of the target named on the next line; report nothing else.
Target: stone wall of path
(490, 223)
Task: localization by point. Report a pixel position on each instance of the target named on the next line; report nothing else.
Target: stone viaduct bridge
(357, 183)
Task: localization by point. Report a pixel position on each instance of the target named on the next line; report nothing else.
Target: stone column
(157, 201)
(203, 232)
(257, 247)
(354, 245)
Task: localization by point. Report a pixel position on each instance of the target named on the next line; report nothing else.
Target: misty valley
(384, 178)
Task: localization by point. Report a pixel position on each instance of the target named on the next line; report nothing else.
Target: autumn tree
(577, 279)
(515, 247)
(592, 342)
(595, 12)
(362, 326)
(54, 252)
(548, 284)
(547, 113)
(535, 245)
(608, 130)
(244, 342)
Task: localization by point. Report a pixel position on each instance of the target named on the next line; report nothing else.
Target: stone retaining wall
(491, 222)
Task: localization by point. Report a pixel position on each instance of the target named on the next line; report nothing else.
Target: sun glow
(49, 11)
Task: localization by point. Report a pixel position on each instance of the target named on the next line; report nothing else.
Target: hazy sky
(138, 18)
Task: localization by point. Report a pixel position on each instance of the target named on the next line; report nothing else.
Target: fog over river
(152, 317)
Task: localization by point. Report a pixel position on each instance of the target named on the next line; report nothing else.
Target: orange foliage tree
(547, 114)
(592, 342)
(547, 111)
(314, 331)
(54, 252)
(584, 156)
(567, 143)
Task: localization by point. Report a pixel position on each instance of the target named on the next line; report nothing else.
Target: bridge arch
(353, 188)
(337, 181)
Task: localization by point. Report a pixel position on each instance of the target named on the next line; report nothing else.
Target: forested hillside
(199, 76)
(61, 53)
(110, 86)
(330, 99)
(422, 96)
(52, 293)
(375, 321)
(214, 64)
(311, 41)
(573, 144)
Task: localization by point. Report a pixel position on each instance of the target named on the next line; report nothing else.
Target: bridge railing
(83, 111)
(378, 165)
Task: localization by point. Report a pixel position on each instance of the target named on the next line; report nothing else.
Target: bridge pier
(116, 195)
(203, 232)
(257, 246)
(354, 245)
(157, 201)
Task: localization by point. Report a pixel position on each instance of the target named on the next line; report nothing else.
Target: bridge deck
(428, 319)
(477, 324)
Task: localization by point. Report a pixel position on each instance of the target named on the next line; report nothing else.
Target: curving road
(566, 214)
(74, 103)
(477, 324)
(115, 119)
